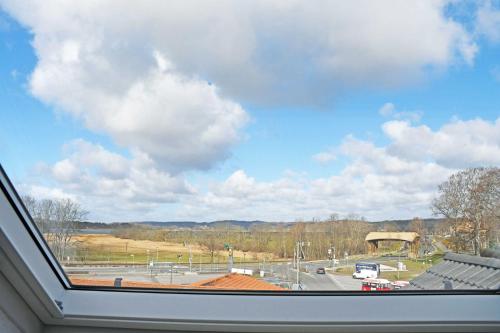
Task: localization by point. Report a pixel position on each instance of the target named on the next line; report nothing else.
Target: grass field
(101, 248)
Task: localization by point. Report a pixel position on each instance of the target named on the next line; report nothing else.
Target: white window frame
(39, 279)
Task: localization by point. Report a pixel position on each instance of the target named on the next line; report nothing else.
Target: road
(310, 280)
(281, 273)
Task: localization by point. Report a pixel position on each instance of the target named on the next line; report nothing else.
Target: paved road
(279, 272)
(310, 280)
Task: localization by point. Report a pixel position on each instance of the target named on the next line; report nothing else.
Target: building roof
(236, 281)
(226, 282)
(460, 271)
(382, 235)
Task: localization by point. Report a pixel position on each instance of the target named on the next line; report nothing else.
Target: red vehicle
(376, 285)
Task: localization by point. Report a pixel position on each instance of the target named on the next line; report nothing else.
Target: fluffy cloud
(166, 81)
(325, 157)
(389, 110)
(180, 122)
(488, 21)
(253, 50)
(459, 144)
(398, 180)
(140, 71)
(109, 183)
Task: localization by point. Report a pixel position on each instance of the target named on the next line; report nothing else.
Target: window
(264, 149)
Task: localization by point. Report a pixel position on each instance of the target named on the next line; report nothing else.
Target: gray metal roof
(461, 271)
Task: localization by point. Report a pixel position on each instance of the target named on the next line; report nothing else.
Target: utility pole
(399, 260)
(229, 249)
(190, 259)
(299, 255)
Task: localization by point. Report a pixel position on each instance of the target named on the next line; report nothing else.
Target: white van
(366, 270)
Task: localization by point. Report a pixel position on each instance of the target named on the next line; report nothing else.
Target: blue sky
(287, 127)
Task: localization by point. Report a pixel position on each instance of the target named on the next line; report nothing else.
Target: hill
(401, 225)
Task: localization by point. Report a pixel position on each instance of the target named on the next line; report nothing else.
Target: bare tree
(417, 225)
(56, 220)
(470, 199)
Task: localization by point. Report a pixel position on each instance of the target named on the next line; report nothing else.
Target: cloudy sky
(273, 110)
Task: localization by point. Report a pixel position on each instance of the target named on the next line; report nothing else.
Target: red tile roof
(236, 282)
(226, 282)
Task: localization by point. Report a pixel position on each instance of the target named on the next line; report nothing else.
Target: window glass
(258, 146)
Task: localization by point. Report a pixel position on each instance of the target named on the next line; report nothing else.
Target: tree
(417, 225)
(56, 220)
(470, 200)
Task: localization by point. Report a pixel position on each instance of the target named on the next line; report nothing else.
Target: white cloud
(96, 60)
(140, 72)
(108, 184)
(389, 110)
(488, 21)
(180, 122)
(325, 157)
(45, 192)
(459, 144)
(398, 180)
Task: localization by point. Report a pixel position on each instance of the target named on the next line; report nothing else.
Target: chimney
(118, 282)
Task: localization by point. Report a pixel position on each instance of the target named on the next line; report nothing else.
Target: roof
(372, 280)
(226, 282)
(381, 235)
(460, 271)
(236, 281)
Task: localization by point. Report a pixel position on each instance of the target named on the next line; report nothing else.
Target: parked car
(320, 270)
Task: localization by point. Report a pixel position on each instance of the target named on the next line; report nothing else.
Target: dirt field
(108, 248)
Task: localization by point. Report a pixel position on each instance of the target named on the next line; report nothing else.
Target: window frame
(26, 261)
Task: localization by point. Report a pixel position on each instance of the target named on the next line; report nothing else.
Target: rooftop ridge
(473, 260)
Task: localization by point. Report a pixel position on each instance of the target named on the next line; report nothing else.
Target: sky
(268, 110)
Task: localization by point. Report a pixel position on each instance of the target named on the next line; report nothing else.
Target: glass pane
(258, 146)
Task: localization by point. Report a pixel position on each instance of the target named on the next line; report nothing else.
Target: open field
(107, 248)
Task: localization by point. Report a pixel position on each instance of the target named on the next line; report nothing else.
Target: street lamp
(300, 255)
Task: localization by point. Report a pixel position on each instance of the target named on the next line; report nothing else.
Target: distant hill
(401, 225)
(198, 225)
